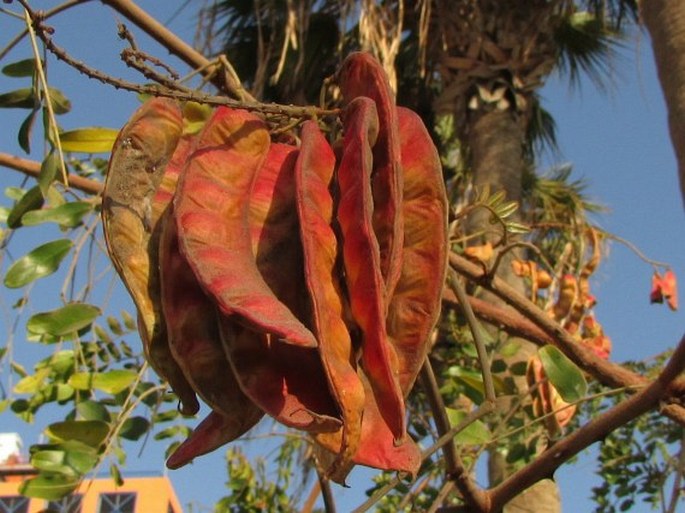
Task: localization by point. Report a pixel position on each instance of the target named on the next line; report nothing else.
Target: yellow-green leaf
(31, 384)
(112, 382)
(476, 433)
(88, 140)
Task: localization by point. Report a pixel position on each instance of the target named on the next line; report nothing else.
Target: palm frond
(586, 45)
(541, 131)
(556, 197)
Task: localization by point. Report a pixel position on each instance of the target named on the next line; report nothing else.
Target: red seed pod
(139, 158)
(212, 212)
(194, 338)
(361, 75)
(313, 175)
(286, 381)
(361, 259)
(415, 306)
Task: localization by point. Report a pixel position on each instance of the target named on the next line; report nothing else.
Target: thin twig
(442, 423)
(456, 470)
(475, 328)
(505, 319)
(326, 493)
(605, 372)
(180, 93)
(42, 79)
(446, 489)
(47, 14)
(224, 81)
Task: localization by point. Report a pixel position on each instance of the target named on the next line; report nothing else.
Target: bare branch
(32, 168)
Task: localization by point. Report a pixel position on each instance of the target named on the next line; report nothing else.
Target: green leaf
(31, 200)
(38, 263)
(68, 215)
(89, 140)
(49, 486)
(90, 432)
(19, 99)
(63, 321)
(509, 349)
(22, 68)
(25, 130)
(111, 382)
(93, 410)
(116, 475)
(79, 456)
(566, 377)
(48, 171)
(72, 458)
(60, 103)
(51, 460)
(129, 321)
(476, 433)
(134, 427)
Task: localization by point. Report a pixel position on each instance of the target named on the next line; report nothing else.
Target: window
(14, 504)
(170, 508)
(68, 504)
(117, 503)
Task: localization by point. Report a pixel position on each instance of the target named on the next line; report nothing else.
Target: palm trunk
(665, 20)
(496, 142)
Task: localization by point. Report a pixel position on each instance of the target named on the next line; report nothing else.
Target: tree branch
(504, 318)
(32, 168)
(547, 463)
(606, 372)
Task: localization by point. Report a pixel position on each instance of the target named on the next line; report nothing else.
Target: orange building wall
(153, 494)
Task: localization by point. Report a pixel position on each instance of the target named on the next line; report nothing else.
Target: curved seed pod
(140, 155)
(313, 174)
(209, 435)
(164, 193)
(377, 447)
(195, 341)
(286, 381)
(212, 206)
(415, 306)
(362, 261)
(362, 75)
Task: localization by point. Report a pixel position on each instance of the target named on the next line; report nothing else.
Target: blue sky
(618, 141)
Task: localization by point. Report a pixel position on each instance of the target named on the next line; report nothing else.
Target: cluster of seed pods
(289, 280)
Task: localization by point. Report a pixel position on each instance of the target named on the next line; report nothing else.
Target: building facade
(150, 494)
